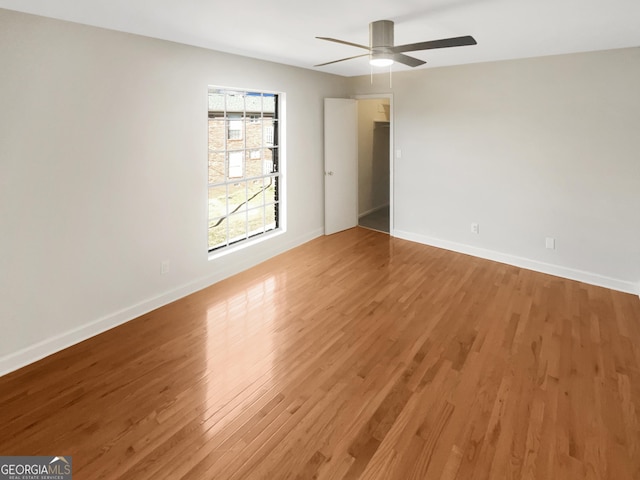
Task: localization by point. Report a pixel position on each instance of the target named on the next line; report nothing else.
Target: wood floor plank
(354, 356)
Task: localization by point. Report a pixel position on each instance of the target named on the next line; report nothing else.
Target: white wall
(373, 155)
(528, 149)
(103, 157)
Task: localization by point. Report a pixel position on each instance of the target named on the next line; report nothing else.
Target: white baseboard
(374, 209)
(557, 270)
(35, 352)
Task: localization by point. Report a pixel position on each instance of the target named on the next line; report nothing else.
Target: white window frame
(277, 225)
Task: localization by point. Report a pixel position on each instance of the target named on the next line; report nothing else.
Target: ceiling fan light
(380, 61)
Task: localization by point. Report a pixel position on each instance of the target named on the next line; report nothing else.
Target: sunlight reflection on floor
(240, 349)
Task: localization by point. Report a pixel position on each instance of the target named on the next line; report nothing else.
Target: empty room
(343, 240)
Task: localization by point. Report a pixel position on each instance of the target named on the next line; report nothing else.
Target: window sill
(245, 244)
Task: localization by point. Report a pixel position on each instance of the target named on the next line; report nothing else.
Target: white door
(340, 164)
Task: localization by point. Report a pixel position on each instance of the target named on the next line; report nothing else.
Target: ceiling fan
(383, 53)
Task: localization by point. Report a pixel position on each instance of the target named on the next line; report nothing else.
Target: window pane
(253, 102)
(270, 190)
(268, 132)
(256, 221)
(235, 133)
(217, 201)
(216, 167)
(253, 131)
(237, 197)
(236, 165)
(217, 233)
(256, 192)
(216, 100)
(216, 134)
(237, 227)
(253, 161)
(268, 103)
(271, 215)
(268, 164)
(234, 101)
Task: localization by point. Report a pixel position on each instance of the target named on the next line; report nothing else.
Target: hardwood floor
(355, 356)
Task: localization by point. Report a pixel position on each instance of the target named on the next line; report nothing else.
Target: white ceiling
(284, 30)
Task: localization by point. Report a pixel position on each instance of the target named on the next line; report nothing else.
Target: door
(340, 164)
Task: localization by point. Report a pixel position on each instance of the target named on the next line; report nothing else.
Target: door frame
(388, 96)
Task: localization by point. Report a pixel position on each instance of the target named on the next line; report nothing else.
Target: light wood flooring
(355, 356)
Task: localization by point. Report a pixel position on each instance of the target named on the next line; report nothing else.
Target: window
(244, 173)
(234, 130)
(235, 165)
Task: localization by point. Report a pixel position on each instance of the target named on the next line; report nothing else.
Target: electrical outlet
(164, 267)
(550, 243)
(475, 228)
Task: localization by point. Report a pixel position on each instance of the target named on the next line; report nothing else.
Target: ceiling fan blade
(407, 60)
(343, 59)
(343, 42)
(443, 43)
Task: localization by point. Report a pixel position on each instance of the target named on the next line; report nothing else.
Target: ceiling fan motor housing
(380, 36)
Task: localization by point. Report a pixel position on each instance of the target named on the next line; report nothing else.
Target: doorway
(374, 165)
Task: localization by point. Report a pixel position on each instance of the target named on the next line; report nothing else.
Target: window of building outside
(244, 173)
